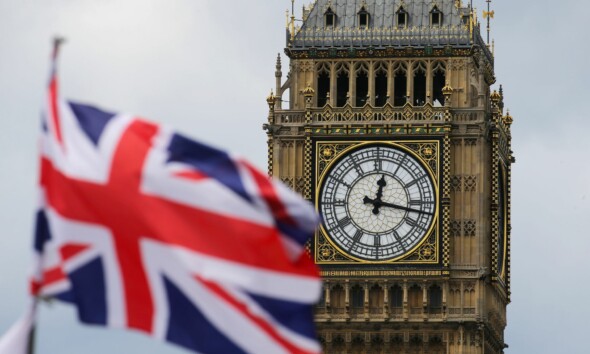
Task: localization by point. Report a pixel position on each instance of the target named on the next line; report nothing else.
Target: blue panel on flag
(189, 328)
(42, 233)
(294, 232)
(92, 120)
(296, 317)
(88, 284)
(210, 161)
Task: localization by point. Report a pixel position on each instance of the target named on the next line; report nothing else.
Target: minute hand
(395, 206)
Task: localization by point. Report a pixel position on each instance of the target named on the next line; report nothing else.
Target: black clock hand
(395, 206)
(381, 183)
(367, 200)
(377, 203)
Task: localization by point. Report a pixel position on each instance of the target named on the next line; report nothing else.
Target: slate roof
(383, 30)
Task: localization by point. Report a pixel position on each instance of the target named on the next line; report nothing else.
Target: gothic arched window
(400, 83)
(435, 299)
(357, 298)
(362, 85)
(438, 83)
(330, 18)
(323, 85)
(402, 17)
(419, 84)
(337, 299)
(364, 18)
(381, 94)
(436, 17)
(415, 299)
(397, 299)
(342, 85)
(376, 299)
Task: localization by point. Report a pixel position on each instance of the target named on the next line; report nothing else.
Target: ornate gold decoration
(447, 90)
(427, 151)
(271, 100)
(495, 97)
(308, 92)
(508, 119)
(307, 166)
(446, 201)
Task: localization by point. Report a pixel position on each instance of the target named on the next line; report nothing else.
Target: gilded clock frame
(429, 153)
(504, 199)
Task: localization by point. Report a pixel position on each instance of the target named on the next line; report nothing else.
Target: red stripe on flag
(49, 277)
(192, 175)
(53, 105)
(269, 194)
(70, 250)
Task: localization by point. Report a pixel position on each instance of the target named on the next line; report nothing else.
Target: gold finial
(308, 91)
(495, 97)
(447, 90)
(271, 100)
(508, 118)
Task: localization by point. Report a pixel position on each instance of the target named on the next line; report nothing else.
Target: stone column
(333, 84)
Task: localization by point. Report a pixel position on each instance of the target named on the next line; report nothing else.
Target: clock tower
(387, 123)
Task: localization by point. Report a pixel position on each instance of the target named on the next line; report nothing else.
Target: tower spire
(292, 19)
(488, 15)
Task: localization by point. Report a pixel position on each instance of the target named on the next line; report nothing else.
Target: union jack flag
(146, 229)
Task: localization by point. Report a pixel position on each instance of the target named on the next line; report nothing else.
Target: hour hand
(381, 183)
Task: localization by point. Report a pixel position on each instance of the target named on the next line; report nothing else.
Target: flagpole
(32, 336)
(57, 42)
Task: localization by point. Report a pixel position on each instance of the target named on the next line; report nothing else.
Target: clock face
(378, 203)
(501, 221)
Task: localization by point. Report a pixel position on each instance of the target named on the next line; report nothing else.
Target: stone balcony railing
(393, 314)
(407, 114)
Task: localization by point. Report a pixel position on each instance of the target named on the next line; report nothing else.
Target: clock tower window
(419, 98)
(357, 294)
(337, 299)
(400, 85)
(376, 296)
(363, 18)
(436, 17)
(435, 299)
(397, 299)
(402, 18)
(362, 86)
(381, 94)
(323, 85)
(330, 18)
(415, 299)
(438, 82)
(342, 87)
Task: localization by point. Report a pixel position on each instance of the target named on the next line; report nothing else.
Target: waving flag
(146, 229)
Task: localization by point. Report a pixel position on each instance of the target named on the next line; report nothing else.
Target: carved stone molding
(470, 183)
(456, 183)
(467, 228)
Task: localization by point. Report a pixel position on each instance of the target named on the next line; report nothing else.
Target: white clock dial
(378, 202)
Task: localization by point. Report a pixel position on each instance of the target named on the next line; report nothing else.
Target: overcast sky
(206, 66)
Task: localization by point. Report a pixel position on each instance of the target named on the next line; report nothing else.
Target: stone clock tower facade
(393, 132)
